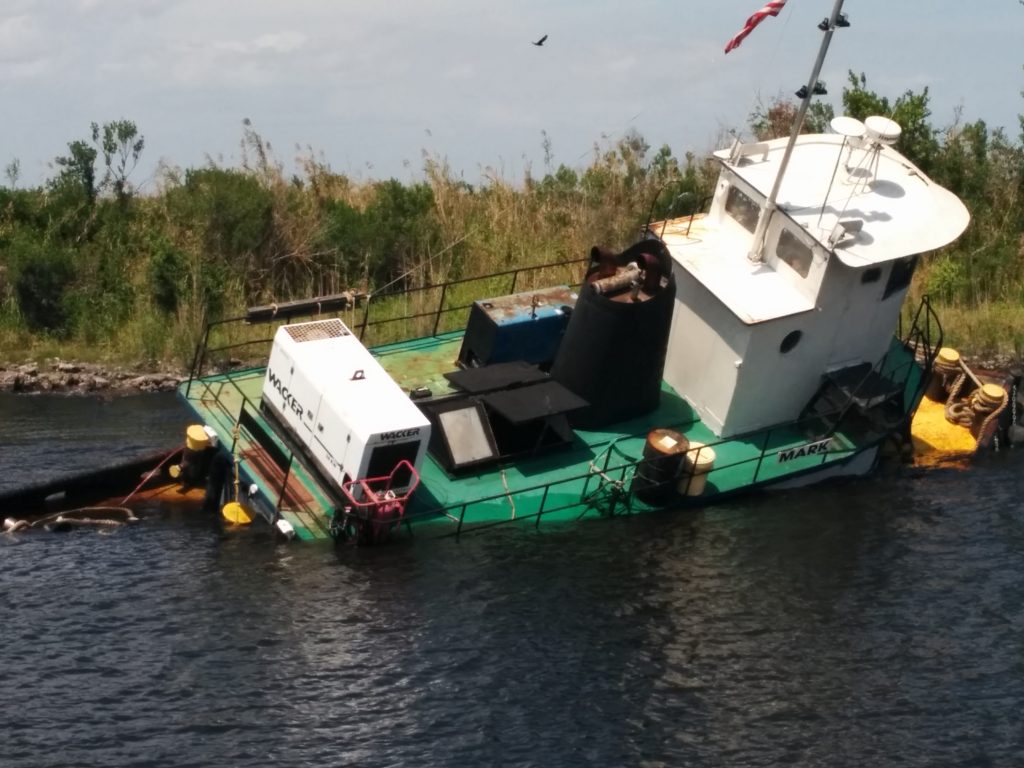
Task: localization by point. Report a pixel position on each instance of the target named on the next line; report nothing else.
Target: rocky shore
(63, 377)
(60, 377)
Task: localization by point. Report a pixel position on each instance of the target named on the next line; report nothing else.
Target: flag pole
(756, 254)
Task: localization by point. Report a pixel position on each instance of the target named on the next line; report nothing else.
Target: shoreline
(65, 377)
(62, 377)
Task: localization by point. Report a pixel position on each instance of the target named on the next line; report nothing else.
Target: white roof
(902, 210)
(718, 259)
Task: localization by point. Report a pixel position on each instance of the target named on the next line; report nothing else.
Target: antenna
(756, 254)
(852, 130)
(880, 132)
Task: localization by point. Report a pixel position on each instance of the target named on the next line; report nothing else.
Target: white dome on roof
(882, 129)
(850, 127)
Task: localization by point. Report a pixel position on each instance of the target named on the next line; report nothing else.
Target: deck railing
(617, 469)
(915, 350)
(248, 419)
(500, 283)
(424, 319)
(924, 340)
(912, 353)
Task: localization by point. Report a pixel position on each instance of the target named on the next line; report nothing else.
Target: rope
(614, 490)
(968, 410)
(64, 518)
(423, 264)
(508, 493)
(80, 523)
(61, 516)
(978, 404)
(147, 476)
(627, 475)
(946, 374)
(236, 432)
(956, 409)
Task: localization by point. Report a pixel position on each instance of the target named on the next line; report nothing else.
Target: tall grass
(135, 279)
(147, 273)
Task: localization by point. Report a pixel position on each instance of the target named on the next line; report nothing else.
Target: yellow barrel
(195, 459)
(699, 460)
(196, 438)
(654, 481)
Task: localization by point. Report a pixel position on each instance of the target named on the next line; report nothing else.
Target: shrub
(43, 276)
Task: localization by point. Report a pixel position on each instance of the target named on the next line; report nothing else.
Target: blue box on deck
(524, 326)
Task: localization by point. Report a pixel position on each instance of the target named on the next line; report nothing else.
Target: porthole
(791, 340)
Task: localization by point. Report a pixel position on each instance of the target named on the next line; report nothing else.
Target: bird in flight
(541, 41)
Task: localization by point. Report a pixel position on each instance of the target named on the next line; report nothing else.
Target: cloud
(263, 59)
(122, 9)
(22, 53)
(363, 79)
(277, 42)
(18, 36)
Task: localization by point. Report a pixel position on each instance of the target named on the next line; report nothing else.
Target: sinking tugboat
(748, 346)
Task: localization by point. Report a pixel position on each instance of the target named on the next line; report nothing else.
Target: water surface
(873, 622)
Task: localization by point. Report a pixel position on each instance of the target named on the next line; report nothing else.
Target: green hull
(593, 477)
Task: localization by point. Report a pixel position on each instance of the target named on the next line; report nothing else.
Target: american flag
(772, 8)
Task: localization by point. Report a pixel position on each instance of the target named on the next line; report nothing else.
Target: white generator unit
(339, 402)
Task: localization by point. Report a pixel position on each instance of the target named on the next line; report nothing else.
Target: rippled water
(872, 623)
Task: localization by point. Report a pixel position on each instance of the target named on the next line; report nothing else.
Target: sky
(370, 86)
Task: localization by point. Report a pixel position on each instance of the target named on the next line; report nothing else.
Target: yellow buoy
(196, 438)
(235, 513)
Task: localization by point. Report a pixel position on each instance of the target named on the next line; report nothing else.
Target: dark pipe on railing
(336, 302)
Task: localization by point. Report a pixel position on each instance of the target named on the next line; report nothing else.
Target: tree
(121, 146)
(12, 171)
(79, 169)
(776, 120)
(918, 139)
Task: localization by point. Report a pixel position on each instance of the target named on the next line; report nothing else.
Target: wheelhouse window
(899, 277)
(794, 252)
(744, 210)
(871, 275)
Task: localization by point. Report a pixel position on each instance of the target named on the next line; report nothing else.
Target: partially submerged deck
(590, 477)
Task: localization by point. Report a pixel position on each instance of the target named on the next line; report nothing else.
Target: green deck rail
(511, 282)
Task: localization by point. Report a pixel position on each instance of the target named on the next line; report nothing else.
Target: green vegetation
(977, 283)
(91, 270)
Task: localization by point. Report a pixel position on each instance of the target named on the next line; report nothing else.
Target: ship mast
(828, 26)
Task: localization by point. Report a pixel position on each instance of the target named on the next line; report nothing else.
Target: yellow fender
(235, 513)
